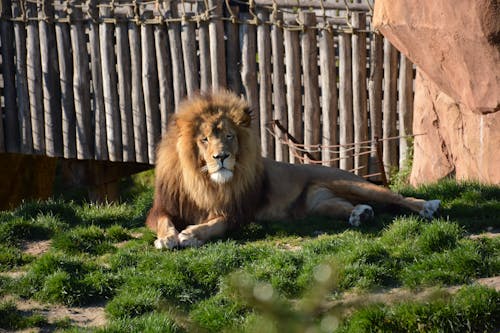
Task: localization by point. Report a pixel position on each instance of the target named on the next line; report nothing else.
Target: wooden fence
(98, 79)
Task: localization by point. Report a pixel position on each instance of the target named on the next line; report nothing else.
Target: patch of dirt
(491, 282)
(13, 274)
(351, 301)
(492, 233)
(36, 248)
(87, 316)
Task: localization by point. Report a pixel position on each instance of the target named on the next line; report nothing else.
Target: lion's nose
(221, 156)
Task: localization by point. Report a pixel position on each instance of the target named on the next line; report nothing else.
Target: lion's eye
(204, 140)
(229, 136)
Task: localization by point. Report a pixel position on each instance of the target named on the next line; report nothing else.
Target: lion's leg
(196, 235)
(160, 222)
(322, 201)
(166, 234)
(366, 192)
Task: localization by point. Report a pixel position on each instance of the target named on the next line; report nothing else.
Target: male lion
(210, 177)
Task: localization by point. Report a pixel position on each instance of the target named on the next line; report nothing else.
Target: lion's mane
(186, 193)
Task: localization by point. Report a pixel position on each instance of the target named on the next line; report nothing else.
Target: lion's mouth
(222, 175)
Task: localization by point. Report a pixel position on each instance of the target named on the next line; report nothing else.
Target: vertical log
(101, 146)
(150, 88)
(265, 87)
(312, 126)
(63, 40)
(375, 94)
(26, 134)
(34, 74)
(164, 64)
(138, 111)
(174, 35)
(233, 52)
(405, 107)
(125, 91)
(204, 46)
(329, 100)
(293, 87)
(50, 81)
(390, 152)
(11, 122)
(188, 39)
(346, 133)
(249, 68)
(217, 51)
(81, 87)
(108, 61)
(280, 110)
(360, 112)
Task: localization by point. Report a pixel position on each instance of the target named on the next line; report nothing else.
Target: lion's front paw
(187, 238)
(168, 242)
(360, 214)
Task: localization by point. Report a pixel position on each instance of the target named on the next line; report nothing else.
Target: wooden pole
(34, 74)
(150, 88)
(329, 99)
(293, 87)
(249, 69)
(164, 63)
(233, 55)
(205, 60)
(405, 90)
(11, 122)
(265, 87)
(50, 82)
(375, 93)
(174, 35)
(217, 50)
(63, 40)
(123, 69)
(188, 38)
(280, 109)
(138, 109)
(390, 150)
(101, 146)
(360, 112)
(26, 134)
(81, 83)
(108, 62)
(312, 126)
(346, 133)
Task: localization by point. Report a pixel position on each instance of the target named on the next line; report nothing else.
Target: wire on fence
(303, 152)
(332, 15)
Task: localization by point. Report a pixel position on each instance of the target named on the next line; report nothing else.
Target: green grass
(273, 276)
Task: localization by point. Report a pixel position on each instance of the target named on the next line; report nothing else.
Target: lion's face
(217, 142)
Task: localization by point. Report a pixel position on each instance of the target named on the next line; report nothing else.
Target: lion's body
(210, 177)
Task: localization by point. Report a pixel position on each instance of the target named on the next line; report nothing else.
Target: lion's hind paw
(169, 242)
(188, 239)
(360, 214)
(431, 207)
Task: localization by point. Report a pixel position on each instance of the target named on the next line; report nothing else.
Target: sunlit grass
(217, 287)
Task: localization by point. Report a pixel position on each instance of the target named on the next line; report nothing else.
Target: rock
(456, 43)
(457, 142)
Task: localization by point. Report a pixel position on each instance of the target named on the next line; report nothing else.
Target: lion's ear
(243, 117)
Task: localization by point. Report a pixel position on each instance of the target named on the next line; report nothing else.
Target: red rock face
(456, 142)
(455, 42)
(456, 46)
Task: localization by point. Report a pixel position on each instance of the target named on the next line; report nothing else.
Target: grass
(274, 276)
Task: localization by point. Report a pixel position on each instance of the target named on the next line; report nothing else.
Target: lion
(210, 177)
